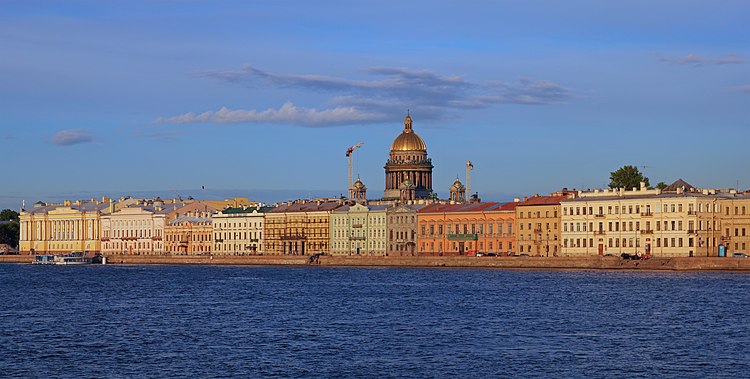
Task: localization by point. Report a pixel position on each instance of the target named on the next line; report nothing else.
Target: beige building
(538, 225)
(235, 202)
(239, 230)
(679, 221)
(402, 229)
(137, 229)
(63, 228)
(724, 220)
(300, 227)
(359, 230)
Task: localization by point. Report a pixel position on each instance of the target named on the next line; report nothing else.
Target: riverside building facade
(466, 229)
(63, 228)
(189, 230)
(359, 230)
(402, 229)
(538, 225)
(301, 227)
(239, 231)
(678, 221)
(137, 228)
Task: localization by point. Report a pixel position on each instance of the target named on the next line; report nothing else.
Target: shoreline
(543, 263)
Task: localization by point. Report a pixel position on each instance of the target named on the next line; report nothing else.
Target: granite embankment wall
(572, 263)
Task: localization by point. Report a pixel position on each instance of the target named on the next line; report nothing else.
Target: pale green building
(359, 230)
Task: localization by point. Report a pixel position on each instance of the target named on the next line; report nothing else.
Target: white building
(239, 231)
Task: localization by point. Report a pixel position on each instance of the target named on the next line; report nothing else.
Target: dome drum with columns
(358, 191)
(408, 164)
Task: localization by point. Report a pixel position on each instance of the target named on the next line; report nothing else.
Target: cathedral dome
(408, 140)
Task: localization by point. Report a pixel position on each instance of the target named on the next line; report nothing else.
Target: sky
(262, 98)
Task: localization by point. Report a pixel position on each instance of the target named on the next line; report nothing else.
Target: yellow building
(63, 228)
(729, 225)
(538, 225)
(301, 227)
(235, 202)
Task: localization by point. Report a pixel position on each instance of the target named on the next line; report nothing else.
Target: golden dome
(457, 186)
(358, 184)
(408, 140)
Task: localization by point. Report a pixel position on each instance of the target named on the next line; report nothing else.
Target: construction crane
(469, 167)
(349, 153)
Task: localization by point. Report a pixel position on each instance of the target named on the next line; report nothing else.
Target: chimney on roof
(643, 186)
(66, 203)
(516, 200)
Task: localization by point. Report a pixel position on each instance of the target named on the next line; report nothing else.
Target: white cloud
(287, 113)
(72, 137)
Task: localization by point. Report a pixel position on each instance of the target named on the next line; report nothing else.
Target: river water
(319, 322)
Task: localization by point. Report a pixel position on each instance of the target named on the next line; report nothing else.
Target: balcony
(599, 232)
(538, 230)
(357, 238)
(292, 237)
(691, 231)
(647, 231)
(646, 214)
(692, 213)
(463, 237)
(600, 215)
(356, 225)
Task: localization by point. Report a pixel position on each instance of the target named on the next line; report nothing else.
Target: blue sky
(126, 97)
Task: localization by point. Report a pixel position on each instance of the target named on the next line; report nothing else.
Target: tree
(661, 186)
(8, 215)
(9, 229)
(627, 177)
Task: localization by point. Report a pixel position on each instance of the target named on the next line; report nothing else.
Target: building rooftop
(346, 208)
(306, 206)
(241, 210)
(542, 200)
(468, 207)
(81, 206)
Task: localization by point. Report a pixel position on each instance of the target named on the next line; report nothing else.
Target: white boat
(74, 258)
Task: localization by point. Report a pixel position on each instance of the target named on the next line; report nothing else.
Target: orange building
(189, 230)
(466, 229)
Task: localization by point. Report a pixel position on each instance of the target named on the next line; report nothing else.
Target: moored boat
(74, 258)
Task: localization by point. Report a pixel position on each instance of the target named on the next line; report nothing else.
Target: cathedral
(408, 171)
